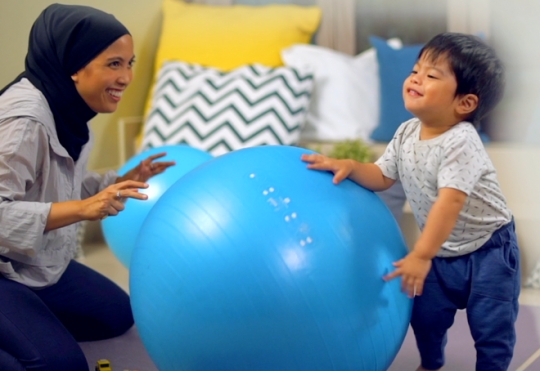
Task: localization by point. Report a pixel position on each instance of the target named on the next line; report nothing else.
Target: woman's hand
(341, 168)
(111, 200)
(147, 168)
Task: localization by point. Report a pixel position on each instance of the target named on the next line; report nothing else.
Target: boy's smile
(413, 92)
(429, 92)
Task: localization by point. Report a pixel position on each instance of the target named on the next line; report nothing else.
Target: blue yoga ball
(121, 231)
(252, 262)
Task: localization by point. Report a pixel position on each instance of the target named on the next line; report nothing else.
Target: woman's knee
(120, 323)
(72, 361)
(121, 319)
(70, 358)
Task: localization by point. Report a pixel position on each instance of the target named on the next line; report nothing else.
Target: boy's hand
(341, 168)
(414, 270)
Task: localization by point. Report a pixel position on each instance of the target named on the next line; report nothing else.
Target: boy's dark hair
(477, 68)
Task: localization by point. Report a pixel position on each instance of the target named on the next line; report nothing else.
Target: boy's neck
(433, 128)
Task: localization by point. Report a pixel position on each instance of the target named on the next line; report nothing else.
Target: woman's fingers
(156, 156)
(113, 198)
(159, 167)
(113, 210)
(134, 194)
(121, 195)
(129, 189)
(129, 184)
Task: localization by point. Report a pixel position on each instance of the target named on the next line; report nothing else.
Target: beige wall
(141, 17)
(514, 30)
(512, 27)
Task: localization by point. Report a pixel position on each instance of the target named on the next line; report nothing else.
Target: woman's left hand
(147, 168)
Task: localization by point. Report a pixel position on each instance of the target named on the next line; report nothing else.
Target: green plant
(352, 149)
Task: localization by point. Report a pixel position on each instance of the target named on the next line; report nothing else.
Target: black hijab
(64, 39)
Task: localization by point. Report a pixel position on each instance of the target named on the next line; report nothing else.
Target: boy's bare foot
(420, 368)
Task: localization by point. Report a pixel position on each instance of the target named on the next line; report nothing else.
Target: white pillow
(345, 99)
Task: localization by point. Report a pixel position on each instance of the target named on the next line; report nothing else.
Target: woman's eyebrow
(120, 58)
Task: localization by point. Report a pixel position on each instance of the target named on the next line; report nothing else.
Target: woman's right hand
(111, 200)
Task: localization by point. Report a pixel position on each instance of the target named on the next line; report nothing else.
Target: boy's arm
(368, 175)
(439, 224)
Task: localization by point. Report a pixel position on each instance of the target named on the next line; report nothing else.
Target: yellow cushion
(226, 37)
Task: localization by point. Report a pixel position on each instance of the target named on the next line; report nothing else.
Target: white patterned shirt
(455, 159)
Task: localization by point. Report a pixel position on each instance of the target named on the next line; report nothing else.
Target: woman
(79, 62)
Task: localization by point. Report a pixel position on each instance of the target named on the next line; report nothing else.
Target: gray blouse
(35, 171)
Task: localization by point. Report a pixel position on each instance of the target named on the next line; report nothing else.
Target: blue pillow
(394, 67)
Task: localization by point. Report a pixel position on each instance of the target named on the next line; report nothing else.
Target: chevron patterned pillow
(220, 112)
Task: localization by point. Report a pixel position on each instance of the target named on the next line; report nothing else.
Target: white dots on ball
(252, 175)
(273, 202)
(269, 190)
(289, 217)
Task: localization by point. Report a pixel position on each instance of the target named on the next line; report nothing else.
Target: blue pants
(39, 329)
(487, 283)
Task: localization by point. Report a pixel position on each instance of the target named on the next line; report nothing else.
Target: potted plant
(355, 149)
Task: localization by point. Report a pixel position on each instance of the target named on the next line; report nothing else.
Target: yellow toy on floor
(103, 365)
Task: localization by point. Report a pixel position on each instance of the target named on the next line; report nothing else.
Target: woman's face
(102, 82)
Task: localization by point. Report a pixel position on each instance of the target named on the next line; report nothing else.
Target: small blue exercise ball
(121, 231)
(252, 262)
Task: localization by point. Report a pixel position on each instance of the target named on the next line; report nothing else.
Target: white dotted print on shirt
(464, 160)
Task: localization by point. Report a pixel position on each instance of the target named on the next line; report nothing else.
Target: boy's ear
(467, 104)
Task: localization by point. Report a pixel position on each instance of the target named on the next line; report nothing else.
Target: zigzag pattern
(220, 112)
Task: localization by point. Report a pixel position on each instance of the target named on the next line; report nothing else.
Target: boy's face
(429, 91)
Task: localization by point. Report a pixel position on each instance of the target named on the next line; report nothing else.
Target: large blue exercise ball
(252, 262)
(121, 231)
